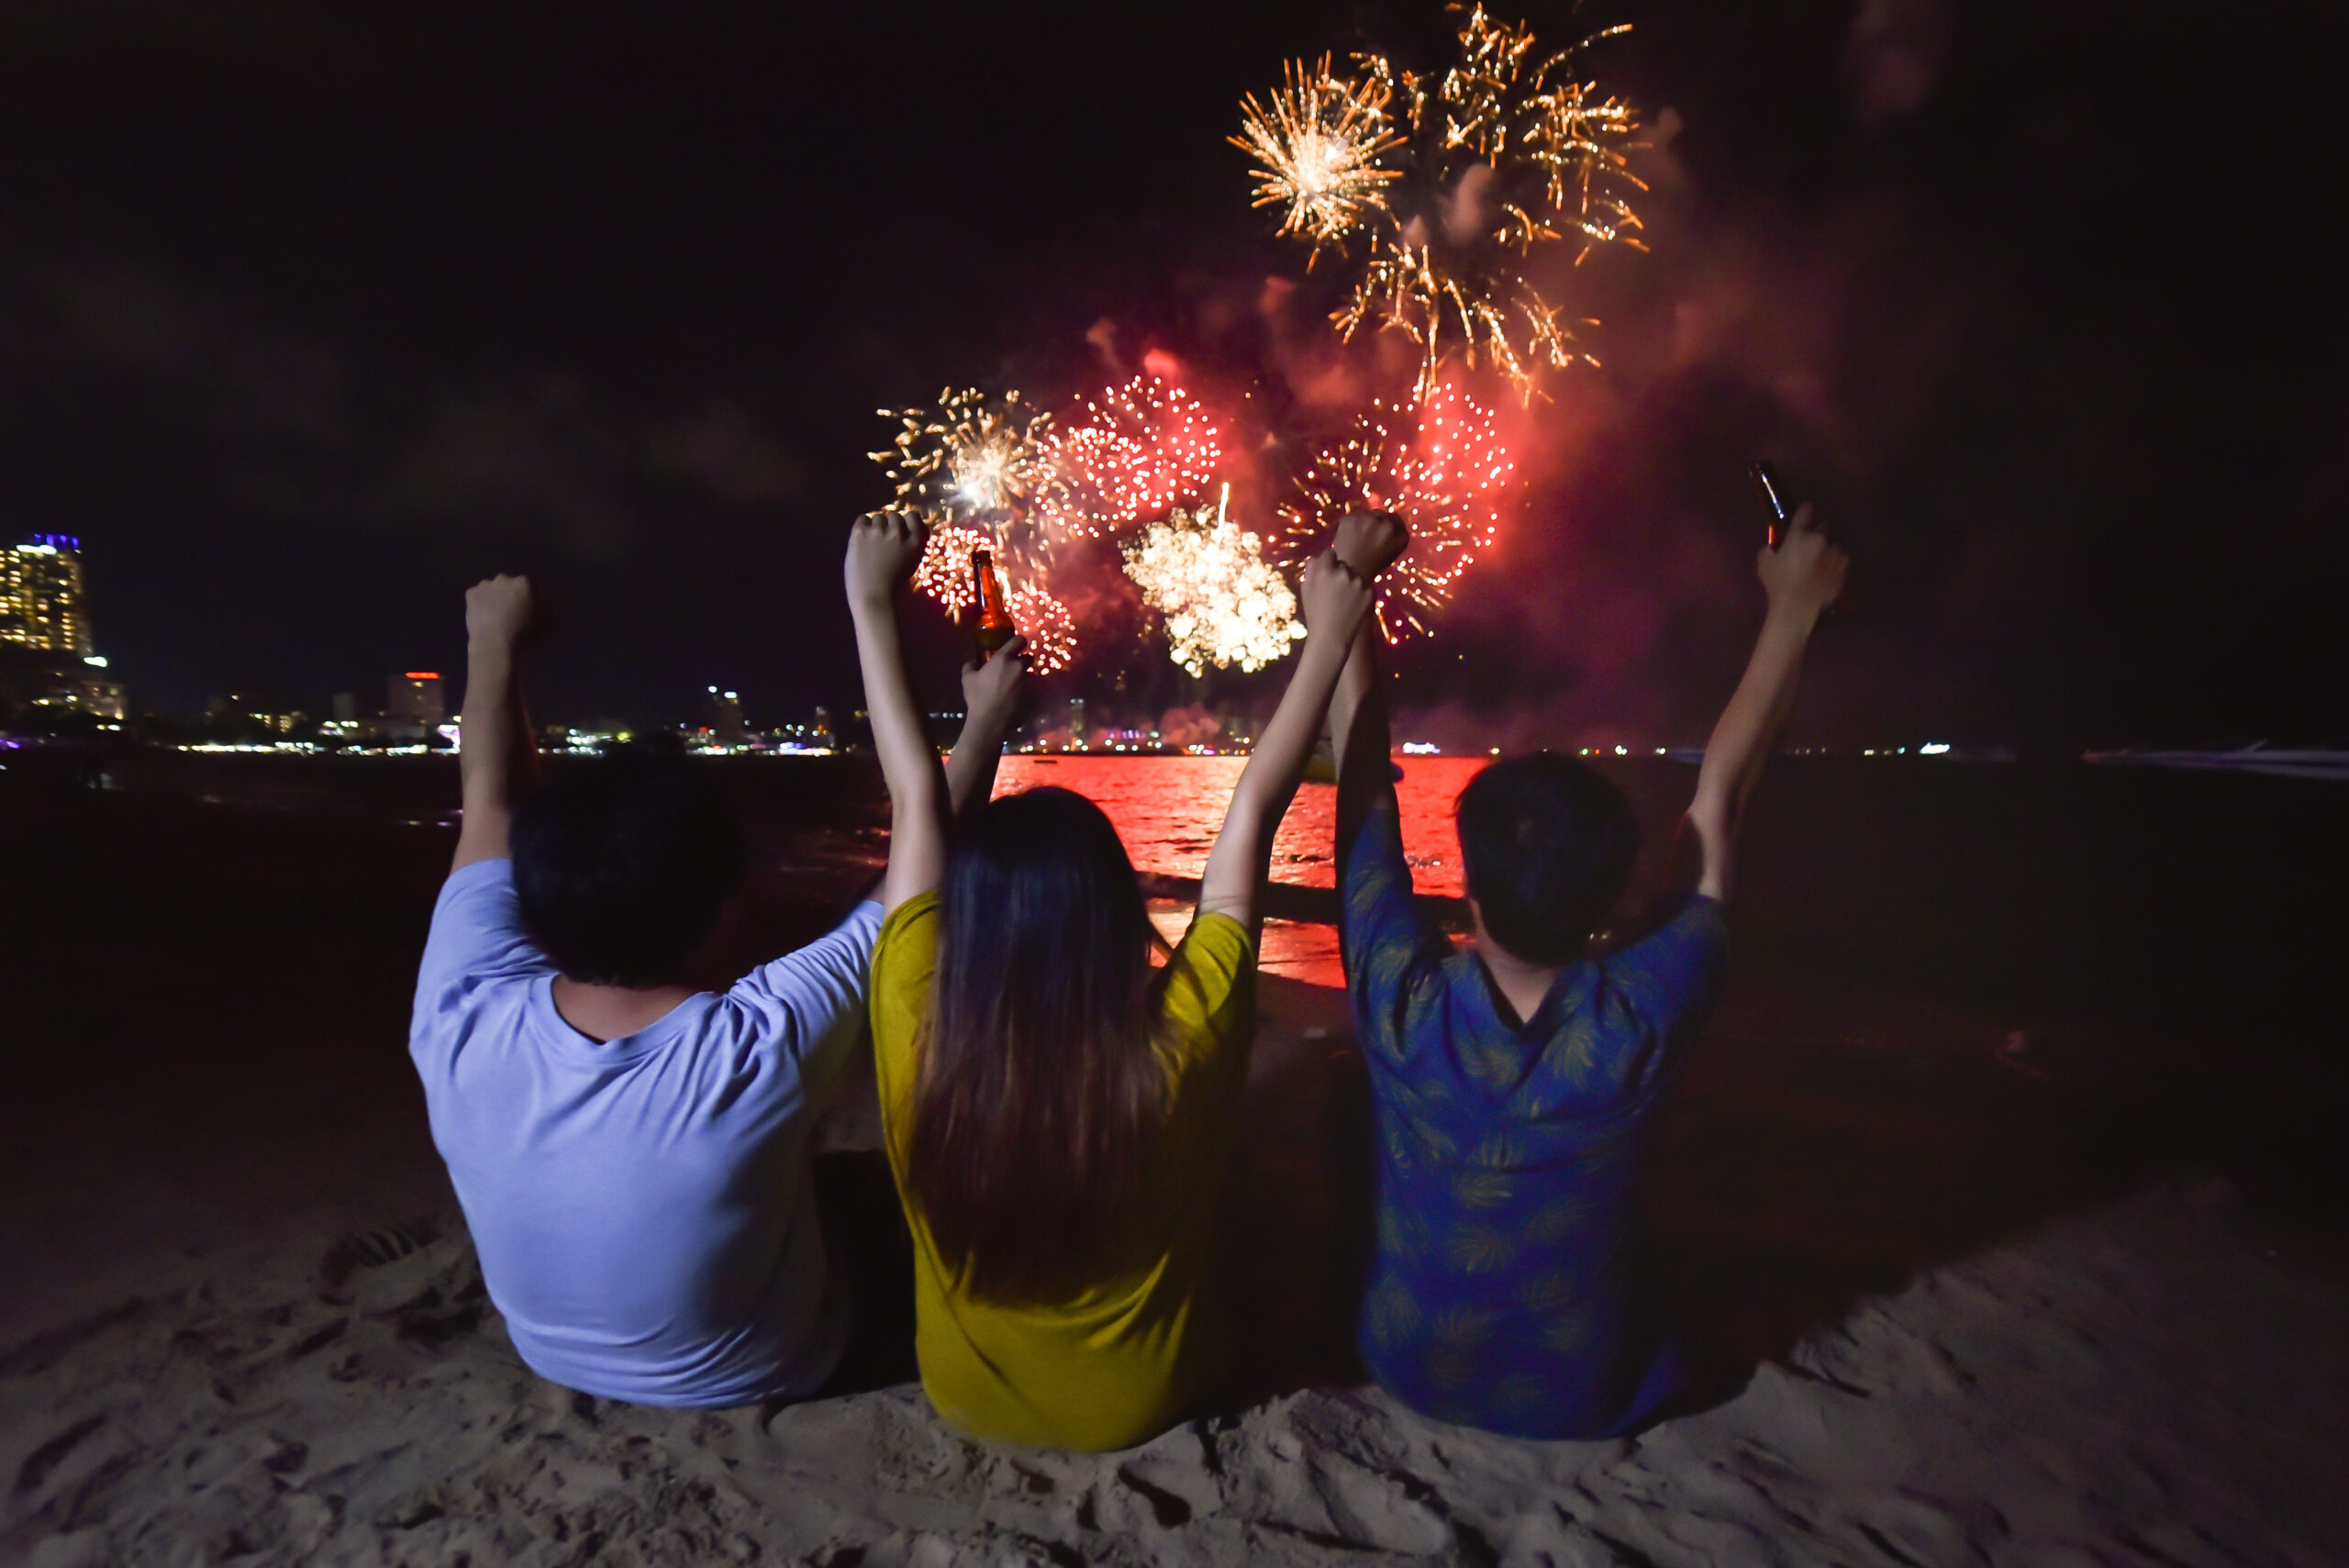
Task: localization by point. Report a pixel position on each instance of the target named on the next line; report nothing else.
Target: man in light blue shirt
(631, 1152)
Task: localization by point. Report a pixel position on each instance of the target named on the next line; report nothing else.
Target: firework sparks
(974, 459)
(1224, 604)
(1050, 629)
(1407, 288)
(1134, 451)
(1438, 465)
(944, 572)
(1507, 151)
(1579, 143)
(1318, 146)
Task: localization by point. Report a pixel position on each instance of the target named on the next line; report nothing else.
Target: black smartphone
(1775, 501)
(1780, 504)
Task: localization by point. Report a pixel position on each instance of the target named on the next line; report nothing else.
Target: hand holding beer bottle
(996, 627)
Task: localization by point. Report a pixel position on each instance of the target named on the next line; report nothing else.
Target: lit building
(725, 717)
(237, 711)
(97, 694)
(45, 619)
(42, 600)
(414, 698)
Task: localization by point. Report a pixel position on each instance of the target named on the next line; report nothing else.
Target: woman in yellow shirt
(1056, 1112)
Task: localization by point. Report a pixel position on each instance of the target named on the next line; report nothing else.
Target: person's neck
(1520, 983)
(612, 1012)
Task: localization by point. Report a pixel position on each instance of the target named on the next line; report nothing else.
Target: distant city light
(1421, 749)
(1933, 748)
(95, 661)
(421, 675)
(1622, 751)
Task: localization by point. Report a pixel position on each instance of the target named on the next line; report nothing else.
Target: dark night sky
(310, 315)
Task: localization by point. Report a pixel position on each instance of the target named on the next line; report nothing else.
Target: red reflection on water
(1168, 809)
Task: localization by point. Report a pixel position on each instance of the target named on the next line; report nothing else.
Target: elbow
(920, 797)
(1712, 813)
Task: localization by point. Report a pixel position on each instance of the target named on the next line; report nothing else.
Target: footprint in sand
(1916, 1533)
(1374, 1510)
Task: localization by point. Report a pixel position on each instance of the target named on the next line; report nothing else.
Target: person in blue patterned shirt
(1514, 1079)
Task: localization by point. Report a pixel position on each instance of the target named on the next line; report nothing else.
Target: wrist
(1333, 651)
(494, 646)
(1794, 613)
(871, 603)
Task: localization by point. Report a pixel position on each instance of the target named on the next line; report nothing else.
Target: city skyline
(44, 607)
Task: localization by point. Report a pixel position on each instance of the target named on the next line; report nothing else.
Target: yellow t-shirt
(1132, 1355)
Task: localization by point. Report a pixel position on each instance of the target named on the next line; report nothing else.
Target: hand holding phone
(1780, 505)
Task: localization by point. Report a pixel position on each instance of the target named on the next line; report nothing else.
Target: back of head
(1040, 1087)
(622, 865)
(1547, 844)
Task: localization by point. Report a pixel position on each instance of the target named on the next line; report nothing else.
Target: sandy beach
(1984, 1324)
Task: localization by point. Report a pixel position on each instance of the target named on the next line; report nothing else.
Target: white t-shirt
(641, 1205)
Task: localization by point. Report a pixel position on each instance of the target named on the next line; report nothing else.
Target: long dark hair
(1040, 1089)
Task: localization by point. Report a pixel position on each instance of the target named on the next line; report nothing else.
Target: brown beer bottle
(996, 627)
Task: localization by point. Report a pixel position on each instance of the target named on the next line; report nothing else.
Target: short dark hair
(622, 864)
(1547, 844)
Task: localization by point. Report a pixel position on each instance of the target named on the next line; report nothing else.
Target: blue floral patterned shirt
(1506, 1292)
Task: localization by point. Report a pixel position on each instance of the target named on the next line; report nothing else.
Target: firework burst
(1130, 452)
(944, 572)
(975, 460)
(1224, 603)
(1439, 466)
(1050, 629)
(1317, 145)
(1506, 151)
(1501, 317)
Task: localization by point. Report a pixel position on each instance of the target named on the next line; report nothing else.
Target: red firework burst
(1440, 465)
(945, 571)
(1128, 453)
(1050, 629)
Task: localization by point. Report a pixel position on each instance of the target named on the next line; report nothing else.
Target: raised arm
(883, 547)
(1801, 577)
(497, 757)
(992, 694)
(1337, 599)
(1369, 542)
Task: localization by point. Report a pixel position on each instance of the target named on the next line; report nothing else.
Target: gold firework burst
(976, 461)
(1317, 145)
(1505, 151)
(1222, 602)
